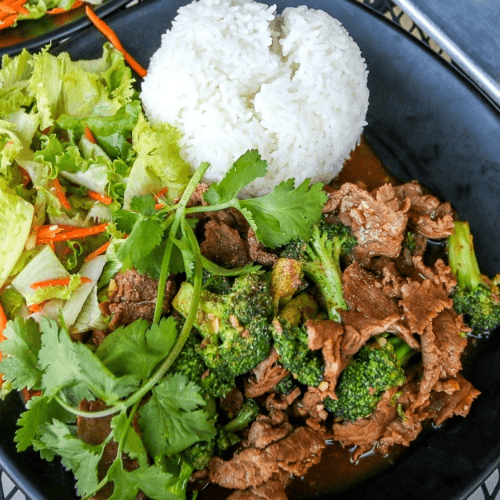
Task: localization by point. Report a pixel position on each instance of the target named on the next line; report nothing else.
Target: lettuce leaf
(158, 163)
(16, 215)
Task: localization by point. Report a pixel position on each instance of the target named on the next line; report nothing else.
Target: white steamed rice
(231, 75)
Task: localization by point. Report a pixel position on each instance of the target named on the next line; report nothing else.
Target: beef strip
(327, 335)
(224, 245)
(266, 375)
(132, 296)
(422, 302)
(364, 293)
(272, 489)
(427, 215)
(377, 220)
(251, 467)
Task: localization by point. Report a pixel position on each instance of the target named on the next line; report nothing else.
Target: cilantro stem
(178, 217)
(211, 208)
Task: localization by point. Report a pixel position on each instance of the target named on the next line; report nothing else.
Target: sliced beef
(327, 335)
(377, 220)
(224, 245)
(231, 403)
(252, 467)
(427, 215)
(132, 296)
(266, 375)
(258, 252)
(364, 433)
(273, 489)
(364, 293)
(457, 402)
(422, 302)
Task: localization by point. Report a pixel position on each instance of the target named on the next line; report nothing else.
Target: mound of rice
(232, 75)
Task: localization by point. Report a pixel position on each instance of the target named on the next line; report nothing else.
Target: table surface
(469, 31)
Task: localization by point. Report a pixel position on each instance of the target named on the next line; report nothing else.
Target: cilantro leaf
(286, 213)
(172, 420)
(137, 348)
(40, 411)
(74, 365)
(151, 480)
(80, 457)
(20, 354)
(146, 234)
(133, 445)
(245, 169)
(145, 205)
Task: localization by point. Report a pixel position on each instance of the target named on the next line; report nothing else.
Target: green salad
(88, 188)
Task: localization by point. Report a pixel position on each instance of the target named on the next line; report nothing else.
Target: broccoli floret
(228, 434)
(235, 328)
(291, 344)
(247, 414)
(286, 386)
(476, 296)
(377, 367)
(320, 258)
(199, 454)
(216, 283)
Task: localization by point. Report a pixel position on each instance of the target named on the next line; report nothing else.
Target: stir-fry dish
(167, 333)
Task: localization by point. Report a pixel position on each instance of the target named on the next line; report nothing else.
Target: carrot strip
(89, 135)
(111, 36)
(56, 282)
(159, 206)
(97, 252)
(33, 308)
(73, 234)
(61, 196)
(60, 10)
(100, 197)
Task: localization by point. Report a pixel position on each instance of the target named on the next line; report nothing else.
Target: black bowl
(32, 34)
(427, 123)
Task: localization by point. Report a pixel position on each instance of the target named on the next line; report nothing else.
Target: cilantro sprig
(134, 361)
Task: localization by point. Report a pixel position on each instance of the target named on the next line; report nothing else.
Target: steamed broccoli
(320, 258)
(247, 414)
(216, 382)
(235, 329)
(476, 296)
(216, 283)
(377, 367)
(199, 454)
(291, 344)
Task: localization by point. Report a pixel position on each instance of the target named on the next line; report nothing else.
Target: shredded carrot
(89, 135)
(100, 197)
(56, 282)
(162, 192)
(33, 308)
(29, 393)
(111, 36)
(73, 233)
(10, 10)
(60, 10)
(61, 195)
(97, 252)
